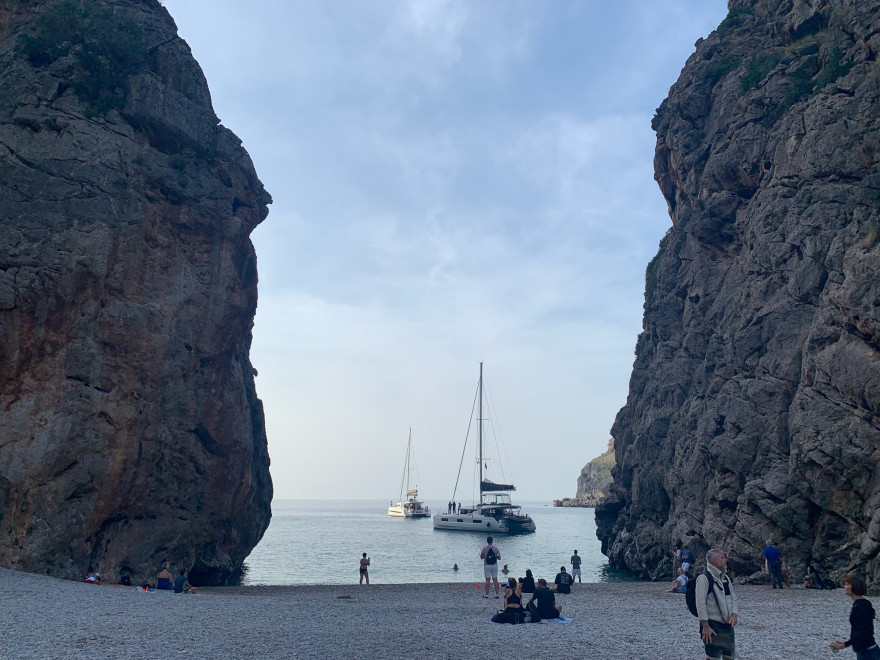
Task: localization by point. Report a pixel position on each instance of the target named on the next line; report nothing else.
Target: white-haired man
(717, 608)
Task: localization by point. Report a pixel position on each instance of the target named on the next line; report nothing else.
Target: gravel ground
(48, 618)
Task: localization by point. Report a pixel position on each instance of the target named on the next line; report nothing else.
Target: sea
(313, 542)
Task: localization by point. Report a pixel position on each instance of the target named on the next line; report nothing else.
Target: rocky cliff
(130, 428)
(593, 481)
(754, 402)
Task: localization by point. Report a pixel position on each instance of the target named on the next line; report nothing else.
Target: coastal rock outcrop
(593, 481)
(130, 428)
(754, 402)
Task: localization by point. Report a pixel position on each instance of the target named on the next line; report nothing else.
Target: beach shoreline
(51, 618)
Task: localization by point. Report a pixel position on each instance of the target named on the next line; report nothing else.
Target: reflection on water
(321, 541)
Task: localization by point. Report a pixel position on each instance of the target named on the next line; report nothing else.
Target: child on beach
(680, 584)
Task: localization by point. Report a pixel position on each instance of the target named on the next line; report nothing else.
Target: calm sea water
(321, 541)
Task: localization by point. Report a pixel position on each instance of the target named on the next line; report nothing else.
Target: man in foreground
(490, 556)
(717, 608)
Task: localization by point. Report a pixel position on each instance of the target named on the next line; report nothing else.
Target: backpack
(491, 559)
(532, 615)
(690, 594)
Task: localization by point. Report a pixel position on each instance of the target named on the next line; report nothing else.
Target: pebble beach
(48, 618)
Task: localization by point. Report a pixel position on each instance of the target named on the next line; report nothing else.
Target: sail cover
(487, 486)
(413, 491)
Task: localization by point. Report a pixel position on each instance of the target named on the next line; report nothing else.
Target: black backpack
(491, 559)
(690, 594)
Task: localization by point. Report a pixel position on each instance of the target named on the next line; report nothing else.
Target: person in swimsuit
(164, 579)
(513, 601)
(365, 563)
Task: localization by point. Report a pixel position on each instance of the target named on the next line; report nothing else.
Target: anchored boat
(495, 511)
(409, 505)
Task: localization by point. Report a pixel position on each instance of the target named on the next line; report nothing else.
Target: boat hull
(409, 511)
(478, 523)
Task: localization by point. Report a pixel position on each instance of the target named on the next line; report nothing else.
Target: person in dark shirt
(528, 583)
(773, 564)
(546, 601)
(861, 621)
(563, 581)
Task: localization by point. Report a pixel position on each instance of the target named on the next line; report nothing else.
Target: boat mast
(404, 478)
(480, 417)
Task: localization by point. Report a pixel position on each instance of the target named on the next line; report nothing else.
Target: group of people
(718, 609)
(542, 604)
(164, 581)
(451, 507)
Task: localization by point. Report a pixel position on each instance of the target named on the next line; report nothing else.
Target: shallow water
(321, 541)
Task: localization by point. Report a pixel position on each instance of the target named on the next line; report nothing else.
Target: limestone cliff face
(130, 428)
(593, 481)
(754, 402)
(595, 478)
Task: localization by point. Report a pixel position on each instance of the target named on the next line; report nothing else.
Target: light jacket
(707, 604)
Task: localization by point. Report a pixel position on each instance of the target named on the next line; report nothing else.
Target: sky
(454, 182)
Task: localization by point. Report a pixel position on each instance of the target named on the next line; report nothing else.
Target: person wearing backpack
(717, 608)
(490, 556)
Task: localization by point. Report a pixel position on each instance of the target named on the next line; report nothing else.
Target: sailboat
(409, 505)
(495, 512)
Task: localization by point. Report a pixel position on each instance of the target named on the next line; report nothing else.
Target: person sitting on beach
(365, 564)
(513, 610)
(528, 583)
(679, 586)
(164, 579)
(545, 601)
(563, 581)
(93, 578)
(182, 585)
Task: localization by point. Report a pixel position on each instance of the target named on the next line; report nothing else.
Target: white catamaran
(495, 512)
(409, 505)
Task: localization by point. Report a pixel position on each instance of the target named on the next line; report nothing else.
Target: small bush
(734, 18)
(651, 271)
(105, 50)
(758, 69)
(834, 69)
(802, 84)
(720, 67)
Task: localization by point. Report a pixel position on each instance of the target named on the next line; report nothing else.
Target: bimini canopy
(487, 486)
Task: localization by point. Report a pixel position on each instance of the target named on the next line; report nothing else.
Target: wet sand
(48, 618)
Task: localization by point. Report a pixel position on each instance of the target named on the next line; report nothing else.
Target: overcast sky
(453, 181)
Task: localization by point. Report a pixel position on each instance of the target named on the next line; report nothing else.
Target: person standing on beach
(365, 564)
(773, 563)
(861, 621)
(490, 556)
(717, 608)
(576, 566)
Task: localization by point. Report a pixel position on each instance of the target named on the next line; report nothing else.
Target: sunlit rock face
(754, 402)
(130, 428)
